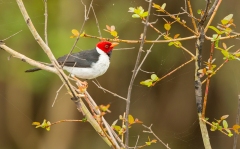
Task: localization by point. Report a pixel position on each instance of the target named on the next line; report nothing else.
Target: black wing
(82, 59)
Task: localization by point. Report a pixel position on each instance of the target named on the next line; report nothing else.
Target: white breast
(98, 68)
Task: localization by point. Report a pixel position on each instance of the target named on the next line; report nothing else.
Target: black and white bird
(88, 64)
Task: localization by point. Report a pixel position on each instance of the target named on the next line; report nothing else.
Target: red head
(106, 46)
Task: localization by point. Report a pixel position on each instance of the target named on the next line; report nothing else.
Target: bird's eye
(106, 46)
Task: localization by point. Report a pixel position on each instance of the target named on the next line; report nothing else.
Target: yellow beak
(114, 44)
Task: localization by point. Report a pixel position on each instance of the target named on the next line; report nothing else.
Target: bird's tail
(33, 70)
(37, 69)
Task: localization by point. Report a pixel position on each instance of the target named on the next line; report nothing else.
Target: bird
(87, 64)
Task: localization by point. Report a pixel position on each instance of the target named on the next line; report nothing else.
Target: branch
(150, 131)
(75, 98)
(46, 22)
(114, 94)
(208, 80)
(198, 84)
(26, 59)
(191, 14)
(235, 139)
(212, 13)
(134, 75)
(77, 39)
(139, 41)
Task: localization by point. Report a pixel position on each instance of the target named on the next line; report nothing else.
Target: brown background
(169, 106)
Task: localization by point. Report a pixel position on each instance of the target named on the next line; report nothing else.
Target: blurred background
(169, 106)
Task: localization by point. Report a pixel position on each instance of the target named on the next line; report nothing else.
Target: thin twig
(119, 49)
(134, 75)
(232, 32)
(46, 22)
(146, 55)
(235, 139)
(180, 22)
(123, 124)
(212, 12)
(191, 14)
(202, 119)
(11, 36)
(65, 121)
(145, 41)
(99, 31)
(219, 67)
(186, 50)
(208, 80)
(114, 94)
(223, 38)
(150, 131)
(77, 39)
(166, 15)
(145, 71)
(57, 94)
(135, 147)
(168, 74)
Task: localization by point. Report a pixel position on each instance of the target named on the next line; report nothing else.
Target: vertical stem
(46, 22)
(135, 74)
(208, 81)
(198, 84)
(235, 140)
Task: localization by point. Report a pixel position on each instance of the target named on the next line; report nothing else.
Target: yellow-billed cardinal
(87, 64)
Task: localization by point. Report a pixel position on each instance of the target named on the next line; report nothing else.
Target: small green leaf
(114, 33)
(145, 14)
(148, 82)
(199, 11)
(216, 30)
(117, 128)
(227, 19)
(130, 119)
(230, 134)
(219, 128)
(225, 53)
(154, 77)
(167, 26)
(163, 6)
(148, 143)
(225, 124)
(170, 43)
(135, 16)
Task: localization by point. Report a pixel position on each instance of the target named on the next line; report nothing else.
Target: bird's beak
(114, 44)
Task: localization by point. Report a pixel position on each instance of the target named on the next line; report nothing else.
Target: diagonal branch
(75, 98)
(212, 13)
(26, 59)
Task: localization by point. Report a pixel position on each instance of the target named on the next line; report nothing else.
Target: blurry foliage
(66, 15)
